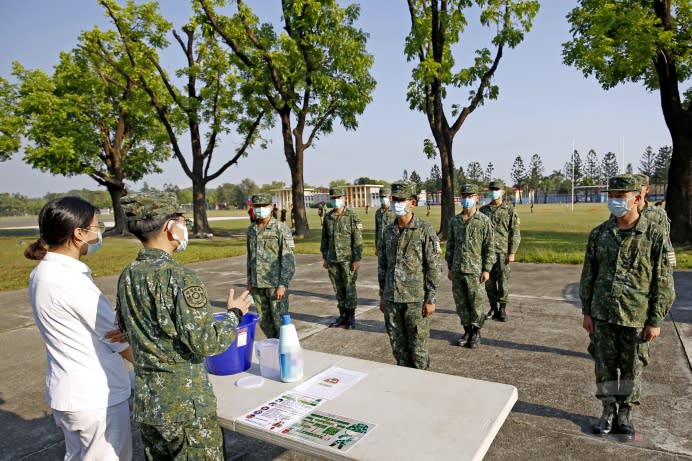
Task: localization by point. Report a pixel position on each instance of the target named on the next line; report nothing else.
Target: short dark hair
(56, 222)
(146, 229)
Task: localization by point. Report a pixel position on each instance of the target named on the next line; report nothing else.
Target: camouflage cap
(261, 199)
(469, 189)
(644, 179)
(624, 183)
(496, 184)
(336, 192)
(403, 189)
(385, 192)
(138, 207)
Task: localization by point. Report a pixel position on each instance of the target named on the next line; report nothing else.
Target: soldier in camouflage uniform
(270, 265)
(507, 237)
(653, 213)
(409, 273)
(383, 216)
(470, 256)
(626, 291)
(163, 309)
(342, 250)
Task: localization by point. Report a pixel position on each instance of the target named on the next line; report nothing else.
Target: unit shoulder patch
(195, 296)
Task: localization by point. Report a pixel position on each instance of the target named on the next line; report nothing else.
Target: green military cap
(644, 179)
(336, 192)
(496, 184)
(624, 183)
(146, 206)
(261, 199)
(469, 189)
(403, 189)
(385, 192)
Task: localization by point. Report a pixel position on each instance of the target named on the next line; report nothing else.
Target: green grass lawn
(551, 234)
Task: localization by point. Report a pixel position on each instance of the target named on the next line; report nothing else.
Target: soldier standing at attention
(470, 256)
(270, 265)
(342, 250)
(507, 237)
(164, 311)
(383, 216)
(653, 213)
(409, 273)
(626, 291)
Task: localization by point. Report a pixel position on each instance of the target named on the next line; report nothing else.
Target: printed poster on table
(282, 411)
(328, 430)
(330, 383)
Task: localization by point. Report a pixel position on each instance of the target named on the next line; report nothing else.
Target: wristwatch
(237, 312)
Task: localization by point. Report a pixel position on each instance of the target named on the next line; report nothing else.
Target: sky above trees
(544, 107)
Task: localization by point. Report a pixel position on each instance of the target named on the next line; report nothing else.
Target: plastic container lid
(285, 319)
(250, 382)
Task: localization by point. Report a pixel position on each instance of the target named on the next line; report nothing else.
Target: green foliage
(10, 123)
(618, 41)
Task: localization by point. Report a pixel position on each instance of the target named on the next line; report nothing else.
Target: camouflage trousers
(344, 283)
(618, 348)
(270, 310)
(408, 333)
(497, 286)
(470, 298)
(197, 439)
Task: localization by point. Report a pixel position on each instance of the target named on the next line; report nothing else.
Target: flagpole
(573, 175)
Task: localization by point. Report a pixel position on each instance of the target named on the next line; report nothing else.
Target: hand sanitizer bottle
(290, 352)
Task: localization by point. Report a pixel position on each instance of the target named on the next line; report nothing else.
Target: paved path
(541, 351)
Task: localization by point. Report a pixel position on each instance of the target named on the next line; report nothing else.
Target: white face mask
(263, 212)
(400, 209)
(182, 243)
(384, 201)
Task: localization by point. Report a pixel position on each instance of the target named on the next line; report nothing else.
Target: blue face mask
(262, 212)
(337, 202)
(93, 247)
(400, 209)
(384, 201)
(468, 202)
(618, 206)
(495, 194)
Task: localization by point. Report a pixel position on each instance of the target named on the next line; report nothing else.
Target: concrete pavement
(541, 350)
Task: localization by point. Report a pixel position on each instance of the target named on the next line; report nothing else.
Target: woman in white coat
(87, 383)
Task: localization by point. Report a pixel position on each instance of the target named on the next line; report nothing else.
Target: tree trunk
(444, 146)
(678, 202)
(116, 192)
(199, 207)
(294, 157)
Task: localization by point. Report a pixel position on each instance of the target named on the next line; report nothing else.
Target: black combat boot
(350, 322)
(502, 314)
(623, 425)
(465, 337)
(475, 339)
(492, 312)
(339, 321)
(605, 424)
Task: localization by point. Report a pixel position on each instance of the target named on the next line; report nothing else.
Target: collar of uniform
(153, 253)
(640, 227)
(271, 223)
(67, 261)
(413, 223)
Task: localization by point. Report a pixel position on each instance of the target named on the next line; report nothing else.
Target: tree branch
(240, 152)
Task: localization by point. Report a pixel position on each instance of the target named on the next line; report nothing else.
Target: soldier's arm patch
(195, 296)
(359, 226)
(670, 255)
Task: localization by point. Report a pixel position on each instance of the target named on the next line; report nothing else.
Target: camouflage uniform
(507, 236)
(164, 310)
(626, 284)
(409, 273)
(469, 252)
(270, 265)
(383, 217)
(341, 246)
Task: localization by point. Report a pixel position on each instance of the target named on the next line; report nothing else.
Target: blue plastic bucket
(238, 356)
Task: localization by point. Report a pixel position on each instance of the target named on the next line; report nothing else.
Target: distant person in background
(275, 211)
(470, 256)
(342, 250)
(428, 207)
(507, 236)
(250, 210)
(383, 216)
(320, 211)
(270, 265)
(87, 383)
(283, 215)
(626, 291)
